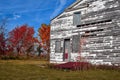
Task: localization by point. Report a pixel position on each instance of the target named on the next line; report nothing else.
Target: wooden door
(67, 50)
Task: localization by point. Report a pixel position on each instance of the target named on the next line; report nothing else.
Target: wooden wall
(99, 31)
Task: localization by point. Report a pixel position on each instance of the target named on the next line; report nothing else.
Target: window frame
(58, 50)
(74, 15)
(76, 46)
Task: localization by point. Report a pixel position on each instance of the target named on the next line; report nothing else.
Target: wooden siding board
(103, 44)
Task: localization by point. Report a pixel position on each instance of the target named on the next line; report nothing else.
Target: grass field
(31, 70)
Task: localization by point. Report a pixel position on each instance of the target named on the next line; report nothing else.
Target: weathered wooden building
(87, 30)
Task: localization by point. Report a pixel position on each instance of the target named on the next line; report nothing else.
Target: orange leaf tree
(44, 34)
(22, 38)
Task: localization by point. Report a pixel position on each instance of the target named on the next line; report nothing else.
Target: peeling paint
(98, 33)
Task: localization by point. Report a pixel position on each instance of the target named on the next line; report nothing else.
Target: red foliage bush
(73, 66)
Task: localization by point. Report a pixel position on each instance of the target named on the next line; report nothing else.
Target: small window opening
(76, 18)
(57, 46)
(99, 22)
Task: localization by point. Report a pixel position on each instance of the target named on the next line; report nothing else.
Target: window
(94, 23)
(75, 43)
(76, 18)
(57, 46)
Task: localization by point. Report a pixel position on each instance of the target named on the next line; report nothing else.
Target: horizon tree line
(21, 41)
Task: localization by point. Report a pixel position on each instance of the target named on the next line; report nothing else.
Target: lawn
(32, 70)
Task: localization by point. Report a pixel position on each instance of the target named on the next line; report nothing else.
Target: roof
(75, 3)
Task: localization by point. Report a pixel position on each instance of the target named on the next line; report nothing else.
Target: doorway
(67, 50)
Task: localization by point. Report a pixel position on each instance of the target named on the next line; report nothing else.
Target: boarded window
(76, 18)
(75, 43)
(57, 46)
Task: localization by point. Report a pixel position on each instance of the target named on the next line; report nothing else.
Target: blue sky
(31, 12)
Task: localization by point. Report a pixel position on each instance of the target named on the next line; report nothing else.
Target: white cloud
(33, 10)
(62, 3)
(13, 17)
(16, 16)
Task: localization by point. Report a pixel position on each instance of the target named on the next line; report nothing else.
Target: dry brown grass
(29, 70)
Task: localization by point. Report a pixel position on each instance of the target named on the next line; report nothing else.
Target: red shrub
(73, 66)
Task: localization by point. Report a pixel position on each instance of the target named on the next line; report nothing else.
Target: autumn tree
(3, 38)
(21, 38)
(44, 34)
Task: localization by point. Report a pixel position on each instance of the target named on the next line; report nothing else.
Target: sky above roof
(31, 12)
